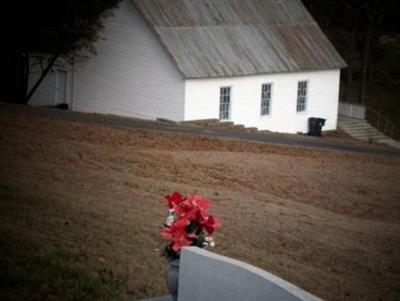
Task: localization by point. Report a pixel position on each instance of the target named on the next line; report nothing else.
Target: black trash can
(315, 126)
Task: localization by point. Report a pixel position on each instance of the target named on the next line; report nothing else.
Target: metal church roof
(223, 38)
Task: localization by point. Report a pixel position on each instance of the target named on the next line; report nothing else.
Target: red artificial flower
(202, 217)
(177, 226)
(178, 235)
(181, 239)
(197, 201)
(190, 211)
(184, 212)
(189, 206)
(211, 224)
(173, 199)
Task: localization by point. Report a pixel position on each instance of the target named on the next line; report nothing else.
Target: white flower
(209, 241)
(170, 218)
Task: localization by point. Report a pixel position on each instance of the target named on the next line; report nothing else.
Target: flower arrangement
(188, 223)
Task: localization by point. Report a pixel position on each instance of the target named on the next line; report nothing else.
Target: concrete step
(356, 121)
(369, 137)
(201, 122)
(251, 129)
(238, 126)
(221, 125)
(368, 131)
(225, 123)
(356, 126)
(216, 123)
(362, 130)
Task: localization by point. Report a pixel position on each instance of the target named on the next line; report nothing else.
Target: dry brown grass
(81, 210)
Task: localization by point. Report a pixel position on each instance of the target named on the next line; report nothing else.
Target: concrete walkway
(270, 138)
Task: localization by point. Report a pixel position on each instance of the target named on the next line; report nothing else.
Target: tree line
(357, 29)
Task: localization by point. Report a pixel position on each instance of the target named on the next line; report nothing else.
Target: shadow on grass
(26, 274)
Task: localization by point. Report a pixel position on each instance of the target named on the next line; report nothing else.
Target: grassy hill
(81, 209)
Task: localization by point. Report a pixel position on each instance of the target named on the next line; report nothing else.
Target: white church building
(260, 63)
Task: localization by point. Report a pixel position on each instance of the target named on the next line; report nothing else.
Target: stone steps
(201, 122)
(251, 129)
(362, 130)
(216, 123)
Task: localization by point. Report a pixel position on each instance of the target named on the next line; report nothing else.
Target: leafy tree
(47, 29)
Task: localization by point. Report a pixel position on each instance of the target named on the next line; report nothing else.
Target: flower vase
(172, 278)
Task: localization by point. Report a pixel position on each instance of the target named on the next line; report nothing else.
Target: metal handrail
(380, 122)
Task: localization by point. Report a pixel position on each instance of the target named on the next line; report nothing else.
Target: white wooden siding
(352, 110)
(45, 95)
(132, 75)
(202, 100)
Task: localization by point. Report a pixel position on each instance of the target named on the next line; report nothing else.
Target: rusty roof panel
(220, 38)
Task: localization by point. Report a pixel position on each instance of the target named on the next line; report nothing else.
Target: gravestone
(206, 276)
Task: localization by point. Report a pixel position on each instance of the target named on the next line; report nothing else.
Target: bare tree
(50, 29)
